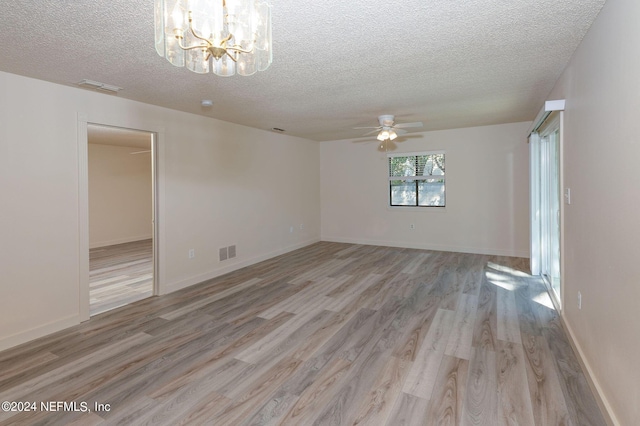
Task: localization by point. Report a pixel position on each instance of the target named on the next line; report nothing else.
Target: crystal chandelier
(221, 36)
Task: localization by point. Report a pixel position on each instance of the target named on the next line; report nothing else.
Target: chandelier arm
(194, 47)
(238, 49)
(209, 44)
(201, 46)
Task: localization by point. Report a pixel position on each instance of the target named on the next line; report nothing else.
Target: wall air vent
(90, 84)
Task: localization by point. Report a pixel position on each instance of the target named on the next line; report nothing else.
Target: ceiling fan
(387, 130)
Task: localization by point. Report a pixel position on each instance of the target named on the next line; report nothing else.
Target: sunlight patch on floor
(504, 276)
(544, 300)
(507, 270)
(502, 281)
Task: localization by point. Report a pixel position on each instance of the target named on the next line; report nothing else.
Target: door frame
(157, 167)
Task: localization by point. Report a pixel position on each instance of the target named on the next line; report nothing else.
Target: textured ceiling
(337, 64)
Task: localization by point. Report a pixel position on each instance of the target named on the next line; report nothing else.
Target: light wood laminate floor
(120, 274)
(331, 334)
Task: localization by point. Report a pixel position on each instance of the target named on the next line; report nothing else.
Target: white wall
(601, 86)
(220, 184)
(120, 195)
(486, 193)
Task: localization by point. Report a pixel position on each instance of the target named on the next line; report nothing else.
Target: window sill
(417, 209)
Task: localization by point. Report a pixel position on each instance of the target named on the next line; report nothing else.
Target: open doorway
(121, 216)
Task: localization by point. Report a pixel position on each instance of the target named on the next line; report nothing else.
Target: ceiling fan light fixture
(383, 135)
(220, 36)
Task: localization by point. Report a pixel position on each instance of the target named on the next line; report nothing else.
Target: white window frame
(415, 177)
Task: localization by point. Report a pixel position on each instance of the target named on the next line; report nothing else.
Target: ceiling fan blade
(371, 132)
(400, 131)
(405, 125)
(368, 127)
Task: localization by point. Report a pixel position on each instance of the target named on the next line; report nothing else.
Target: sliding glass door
(550, 196)
(546, 193)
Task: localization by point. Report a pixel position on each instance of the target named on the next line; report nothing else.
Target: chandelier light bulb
(176, 15)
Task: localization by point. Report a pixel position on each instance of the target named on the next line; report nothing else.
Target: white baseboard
(601, 399)
(428, 246)
(119, 241)
(37, 332)
(234, 266)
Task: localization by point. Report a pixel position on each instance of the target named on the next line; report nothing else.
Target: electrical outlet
(291, 230)
(579, 300)
(302, 226)
(412, 226)
(192, 253)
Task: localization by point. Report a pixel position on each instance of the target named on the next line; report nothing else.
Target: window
(417, 179)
